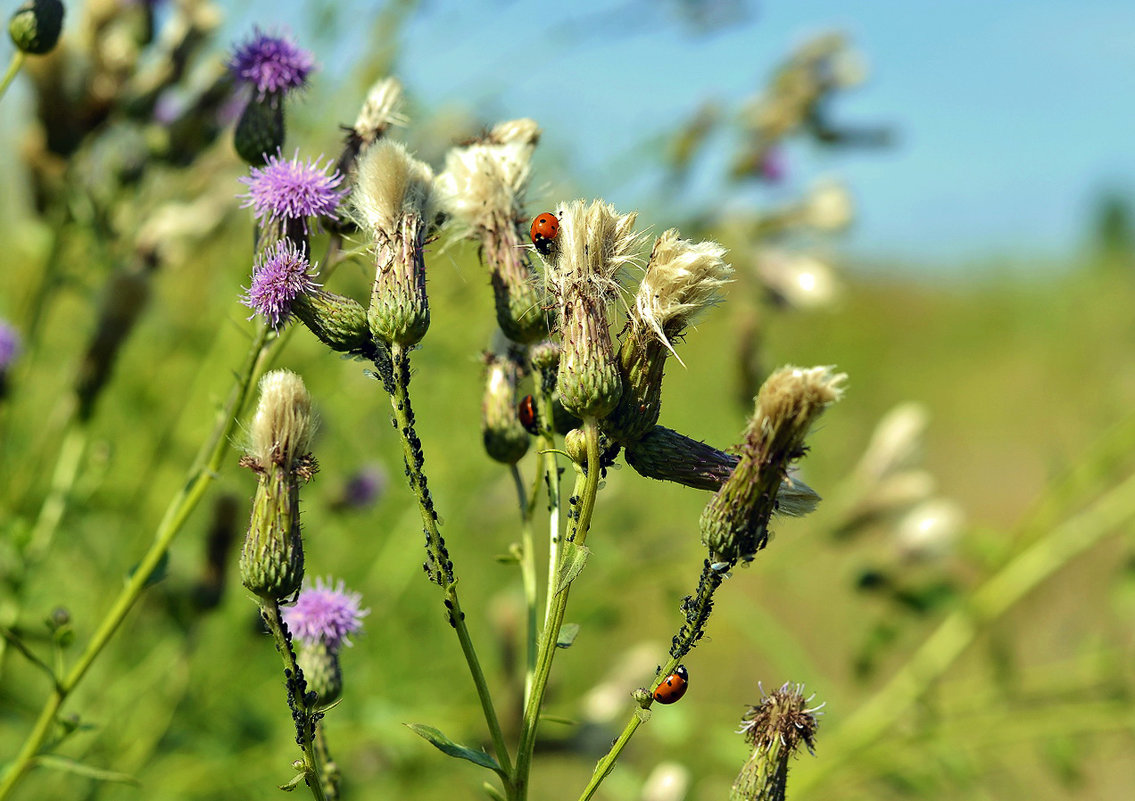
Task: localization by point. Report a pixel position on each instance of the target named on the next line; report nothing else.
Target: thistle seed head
(283, 426)
(593, 245)
(380, 110)
(35, 26)
(734, 524)
(504, 436)
(393, 201)
(775, 728)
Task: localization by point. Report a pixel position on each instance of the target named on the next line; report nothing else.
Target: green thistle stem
(441, 568)
(62, 482)
(201, 476)
(586, 488)
(551, 473)
(527, 572)
(13, 68)
(302, 713)
(956, 633)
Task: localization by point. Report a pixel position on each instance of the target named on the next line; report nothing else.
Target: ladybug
(544, 230)
(526, 411)
(674, 686)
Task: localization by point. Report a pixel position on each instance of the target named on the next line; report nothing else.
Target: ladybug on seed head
(544, 230)
(673, 687)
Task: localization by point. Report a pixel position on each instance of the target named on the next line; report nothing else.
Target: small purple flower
(280, 275)
(323, 614)
(774, 166)
(9, 345)
(273, 64)
(363, 488)
(292, 190)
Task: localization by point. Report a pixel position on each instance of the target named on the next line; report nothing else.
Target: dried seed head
(393, 202)
(502, 433)
(775, 729)
(682, 279)
(282, 428)
(734, 524)
(594, 244)
(523, 131)
(380, 110)
(482, 190)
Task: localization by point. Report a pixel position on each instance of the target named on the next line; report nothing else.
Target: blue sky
(1010, 115)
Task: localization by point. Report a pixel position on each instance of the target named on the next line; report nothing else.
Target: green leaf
(568, 633)
(447, 746)
(159, 572)
(558, 719)
(574, 558)
(492, 792)
(78, 768)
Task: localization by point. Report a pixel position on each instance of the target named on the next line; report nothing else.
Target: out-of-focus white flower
(801, 280)
(608, 699)
(896, 443)
(829, 206)
(929, 530)
(669, 781)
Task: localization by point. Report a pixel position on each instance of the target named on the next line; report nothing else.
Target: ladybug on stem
(544, 230)
(673, 687)
(526, 412)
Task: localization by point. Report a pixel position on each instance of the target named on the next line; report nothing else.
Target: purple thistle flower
(323, 614)
(279, 276)
(292, 190)
(273, 64)
(9, 345)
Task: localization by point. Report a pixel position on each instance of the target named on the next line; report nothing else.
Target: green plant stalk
(528, 571)
(13, 68)
(63, 478)
(586, 488)
(313, 777)
(201, 476)
(551, 469)
(1018, 577)
(403, 416)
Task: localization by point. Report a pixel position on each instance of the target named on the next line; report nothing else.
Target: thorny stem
(13, 68)
(697, 611)
(303, 714)
(201, 476)
(439, 566)
(586, 488)
(527, 574)
(956, 633)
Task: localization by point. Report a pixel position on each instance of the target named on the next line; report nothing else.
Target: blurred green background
(1020, 363)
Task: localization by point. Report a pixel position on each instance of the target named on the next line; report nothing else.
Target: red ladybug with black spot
(545, 229)
(673, 687)
(526, 412)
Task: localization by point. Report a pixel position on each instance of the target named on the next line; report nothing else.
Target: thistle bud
(271, 562)
(734, 524)
(260, 129)
(682, 279)
(594, 244)
(321, 671)
(775, 728)
(392, 202)
(501, 430)
(338, 322)
(35, 26)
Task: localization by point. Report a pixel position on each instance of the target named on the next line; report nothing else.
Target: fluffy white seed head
(682, 279)
(595, 243)
(380, 110)
(391, 183)
(282, 428)
(482, 186)
(523, 131)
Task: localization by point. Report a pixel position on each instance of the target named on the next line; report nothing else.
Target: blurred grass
(1020, 374)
